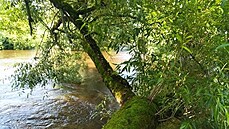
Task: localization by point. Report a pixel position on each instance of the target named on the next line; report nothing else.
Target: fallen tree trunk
(136, 112)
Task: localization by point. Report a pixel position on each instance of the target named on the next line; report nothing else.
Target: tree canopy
(179, 50)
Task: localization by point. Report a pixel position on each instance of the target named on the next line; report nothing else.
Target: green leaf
(187, 49)
(227, 116)
(82, 26)
(179, 38)
(189, 37)
(222, 46)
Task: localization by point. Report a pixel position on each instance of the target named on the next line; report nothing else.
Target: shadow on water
(67, 106)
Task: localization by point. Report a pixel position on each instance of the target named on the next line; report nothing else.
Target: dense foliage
(14, 32)
(188, 72)
(179, 52)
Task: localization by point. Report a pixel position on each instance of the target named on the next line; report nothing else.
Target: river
(48, 107)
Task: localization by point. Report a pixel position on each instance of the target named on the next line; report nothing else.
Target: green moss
(172, 123)
(137, 113)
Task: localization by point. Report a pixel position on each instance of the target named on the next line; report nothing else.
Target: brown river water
(47, 107)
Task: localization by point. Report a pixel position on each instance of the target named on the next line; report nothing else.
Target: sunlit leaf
(227, 115)
(179, 38)
(187, 49)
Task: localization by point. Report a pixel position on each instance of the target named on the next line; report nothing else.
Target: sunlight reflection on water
(49, 107)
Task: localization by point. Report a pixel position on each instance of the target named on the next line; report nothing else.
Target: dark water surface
(71, 107)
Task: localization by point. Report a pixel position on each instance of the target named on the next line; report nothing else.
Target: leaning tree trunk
(136, 112)
(118, 86)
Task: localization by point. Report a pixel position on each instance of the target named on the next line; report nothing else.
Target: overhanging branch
(64, 6)
(119, 87)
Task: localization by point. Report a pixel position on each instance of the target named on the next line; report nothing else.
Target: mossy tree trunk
(136, 112)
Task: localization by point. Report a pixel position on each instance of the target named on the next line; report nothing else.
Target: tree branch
(201, 66)
(112, 15)
(56, 25)
(64, 6)
(29, 16)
